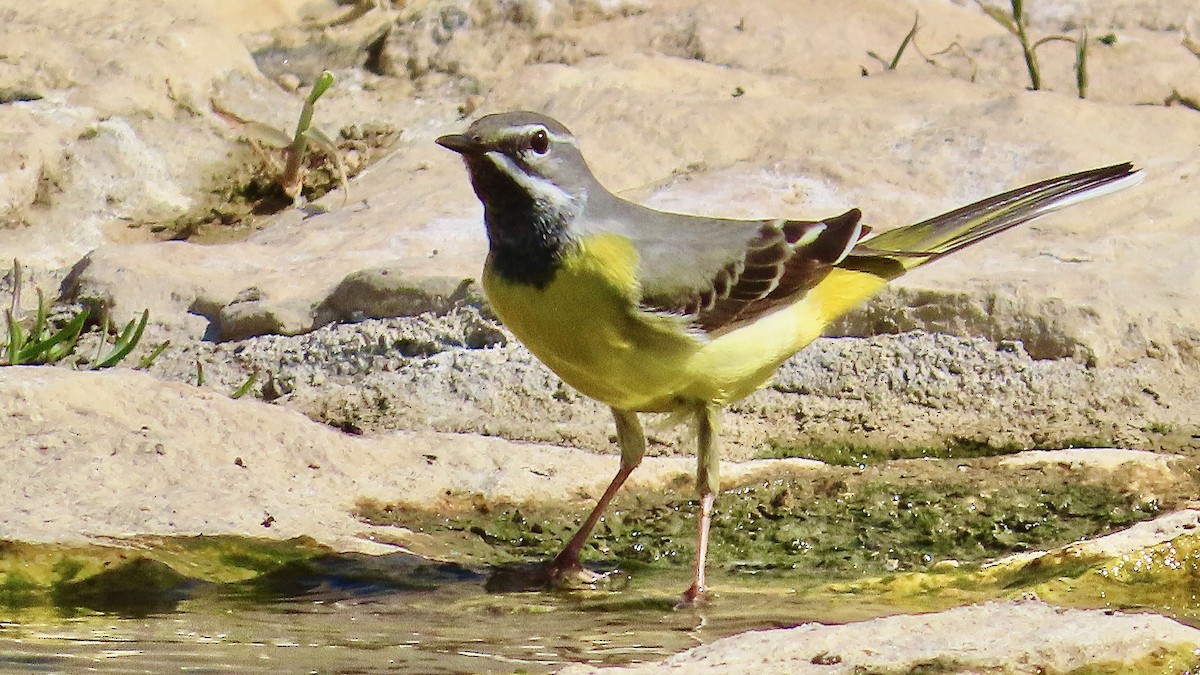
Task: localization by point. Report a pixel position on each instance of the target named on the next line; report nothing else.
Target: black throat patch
(527, 236)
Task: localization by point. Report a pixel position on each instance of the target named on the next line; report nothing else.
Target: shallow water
(245, 605)
(442, 619)
(456, 627)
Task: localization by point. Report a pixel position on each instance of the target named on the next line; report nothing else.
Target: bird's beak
(463, 145)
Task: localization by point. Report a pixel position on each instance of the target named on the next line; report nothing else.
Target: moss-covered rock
(153, 574)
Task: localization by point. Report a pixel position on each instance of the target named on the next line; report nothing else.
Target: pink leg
(632, 440)
(566, 563)
(696, 590)
(707, 483)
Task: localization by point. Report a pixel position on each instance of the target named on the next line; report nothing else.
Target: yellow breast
(585, 325)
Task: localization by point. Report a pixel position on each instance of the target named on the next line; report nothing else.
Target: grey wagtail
(653, 312)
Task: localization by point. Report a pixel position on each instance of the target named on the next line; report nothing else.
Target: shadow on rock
(134, 589)
(352, 575)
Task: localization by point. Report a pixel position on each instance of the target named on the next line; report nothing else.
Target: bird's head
(523, 160)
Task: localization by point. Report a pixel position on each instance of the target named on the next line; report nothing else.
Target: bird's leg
(632, 441)
(707, 483)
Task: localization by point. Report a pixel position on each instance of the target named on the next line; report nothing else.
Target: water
(456, 627)
(350, 613)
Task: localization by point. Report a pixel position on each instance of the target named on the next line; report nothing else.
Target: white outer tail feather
(1091, 193)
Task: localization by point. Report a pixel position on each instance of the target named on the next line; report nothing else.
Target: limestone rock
(998, 637)
(121, 453)
(110, 130)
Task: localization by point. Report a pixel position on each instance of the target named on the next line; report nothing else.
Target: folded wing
(780, 260)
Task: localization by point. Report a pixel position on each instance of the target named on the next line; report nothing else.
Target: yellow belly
(737, 363)
(585, 325)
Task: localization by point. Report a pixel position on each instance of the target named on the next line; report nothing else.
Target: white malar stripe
(1091, 193)
(541, 189)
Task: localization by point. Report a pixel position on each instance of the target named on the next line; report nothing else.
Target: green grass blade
(1081, 76)
(292, 180)
(904, 43)
(104, 326)
(1029, 51)
(245, 386)
(322, 85)
(125, 343)
(1001, 17)
(15, 339)
(40, 328)
(56, 347)
(148, 360)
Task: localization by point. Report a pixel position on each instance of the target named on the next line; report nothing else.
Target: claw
(693, 597)
(571, 574)
(553, 575)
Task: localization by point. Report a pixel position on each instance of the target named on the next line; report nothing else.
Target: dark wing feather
(785, 259)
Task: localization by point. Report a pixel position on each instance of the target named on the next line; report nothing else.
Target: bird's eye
(540, 142)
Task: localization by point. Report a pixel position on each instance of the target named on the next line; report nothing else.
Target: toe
(571, 575)
(694, 596)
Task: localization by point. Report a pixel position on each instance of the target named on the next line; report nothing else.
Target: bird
(649, 311)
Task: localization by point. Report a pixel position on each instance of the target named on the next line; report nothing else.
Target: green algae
(137, 575)
(913, 535)
(830, 545)
(136, 587)
(921, 526)
(1179, 660)
(1164, 578)
(836, 524)
(938, 666)
(350, 574)
(842, 452)
(153, 574)
(850, 453)
(219, 559)
(626, 620)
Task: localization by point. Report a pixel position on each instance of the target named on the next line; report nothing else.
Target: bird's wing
(720, 274)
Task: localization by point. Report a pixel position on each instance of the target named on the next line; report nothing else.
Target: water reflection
(448, 627)
(403, 614)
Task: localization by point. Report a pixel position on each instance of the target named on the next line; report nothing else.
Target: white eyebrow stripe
(557, 138)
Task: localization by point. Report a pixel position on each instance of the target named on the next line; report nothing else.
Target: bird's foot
(556, 574)
(570, 573)
(694, 596)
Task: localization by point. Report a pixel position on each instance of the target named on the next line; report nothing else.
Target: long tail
(897, 251)
(876, 260)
